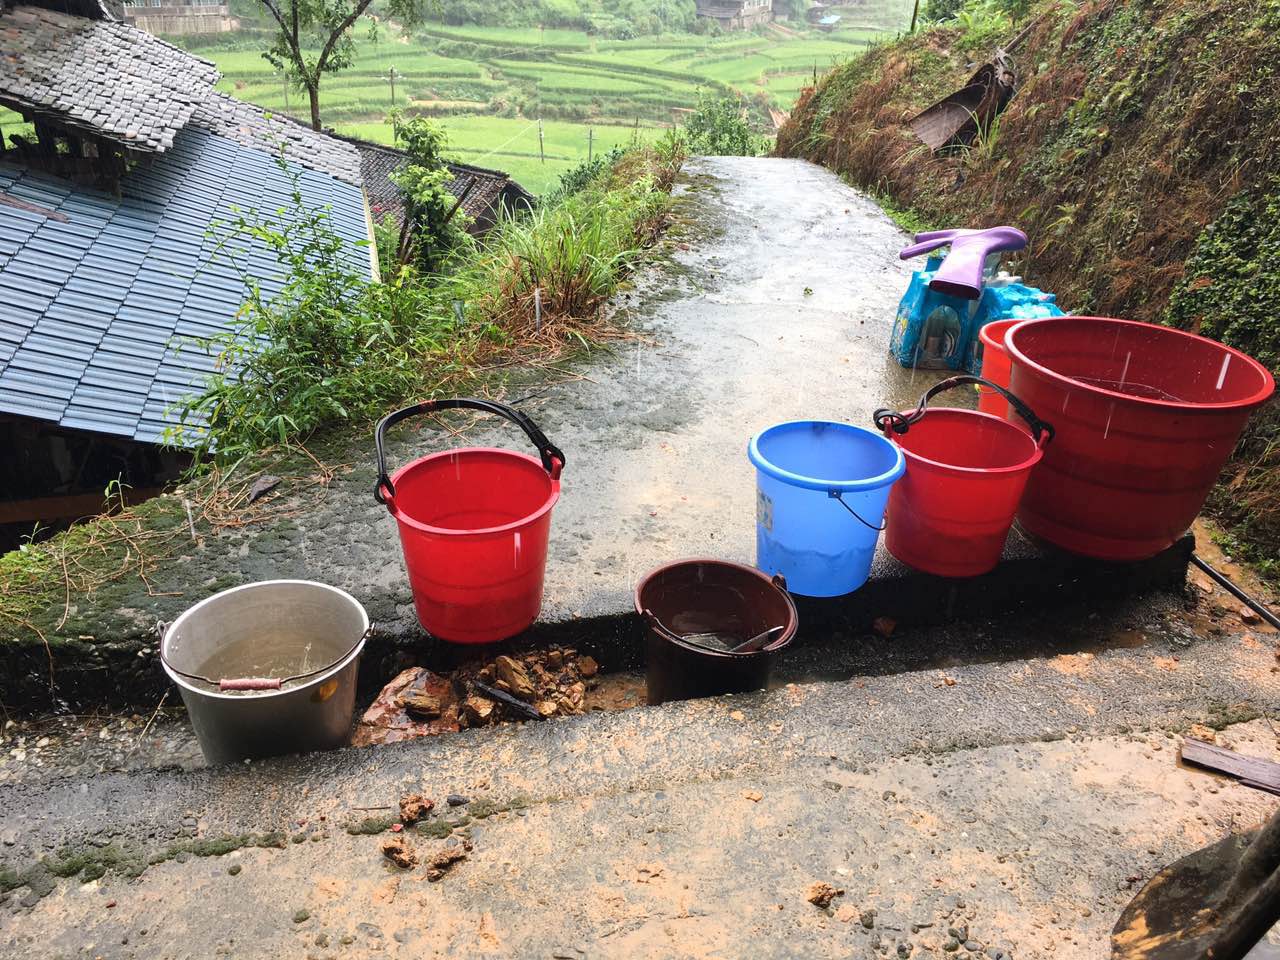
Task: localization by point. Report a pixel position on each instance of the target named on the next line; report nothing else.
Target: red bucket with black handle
(474, 524)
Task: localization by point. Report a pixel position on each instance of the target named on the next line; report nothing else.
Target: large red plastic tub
(474, 524)
(1146, 416)
(966, 470)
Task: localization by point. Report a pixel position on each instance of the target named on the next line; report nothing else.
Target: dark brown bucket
(692, 609)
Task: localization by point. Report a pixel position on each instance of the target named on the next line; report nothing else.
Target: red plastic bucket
(1146, 416)
(951, 512)
(995, 366)
(474, 524)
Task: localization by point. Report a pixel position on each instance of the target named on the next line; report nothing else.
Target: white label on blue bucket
(764, 510)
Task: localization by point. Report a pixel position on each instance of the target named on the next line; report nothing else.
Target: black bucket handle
(892, 420)
(552, 457)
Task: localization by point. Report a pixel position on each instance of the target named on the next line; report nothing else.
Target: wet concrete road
(1027, 800)
(1019, 799)
(772, 299)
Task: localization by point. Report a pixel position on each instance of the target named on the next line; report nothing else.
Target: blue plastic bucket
(821, 490)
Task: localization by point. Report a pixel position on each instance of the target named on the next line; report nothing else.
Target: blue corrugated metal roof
(94, 310)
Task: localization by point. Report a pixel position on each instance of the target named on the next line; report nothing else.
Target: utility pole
(542, 152)
(915, 13)
(284, 74)
(391, 75)
(591, 137)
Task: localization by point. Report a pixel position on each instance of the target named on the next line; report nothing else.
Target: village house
(111, 261)
(176, 17)
(485, 195)
(113, 265)
(737, 14)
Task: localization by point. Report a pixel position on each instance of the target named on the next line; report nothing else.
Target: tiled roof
(253, 127)
(103, 77)
(378, 162)
(99, 301)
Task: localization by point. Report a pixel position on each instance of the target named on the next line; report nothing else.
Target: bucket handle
(552, 457)
(896, 422)
(837, 495)
(255, 683)
(758, 644)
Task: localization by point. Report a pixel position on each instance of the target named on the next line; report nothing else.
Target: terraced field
(490, 85)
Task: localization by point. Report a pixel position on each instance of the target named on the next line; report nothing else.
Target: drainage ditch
(159, 735)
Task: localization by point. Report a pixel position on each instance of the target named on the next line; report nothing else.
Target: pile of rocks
(539, 684)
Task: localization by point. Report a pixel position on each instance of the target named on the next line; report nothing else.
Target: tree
(431, 227)
(305, 24)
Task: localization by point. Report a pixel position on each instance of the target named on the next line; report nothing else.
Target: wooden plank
(1250, 771)
(67, 508)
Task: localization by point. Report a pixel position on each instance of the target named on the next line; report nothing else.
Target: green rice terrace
(491, 85)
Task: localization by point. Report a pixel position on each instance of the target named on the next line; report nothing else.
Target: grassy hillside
(1140, 155)
(491, 84)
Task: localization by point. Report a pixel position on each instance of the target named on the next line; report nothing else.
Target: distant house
(180, 16)
(109, 257)
(736, 14)
(485, 194)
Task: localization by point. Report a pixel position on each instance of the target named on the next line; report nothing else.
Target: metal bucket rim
(401, 517)
(777, 646)
(1036, 456)
(1181, 406)
(258, 696)
(857, 485)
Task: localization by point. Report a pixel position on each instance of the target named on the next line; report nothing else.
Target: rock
(846, 912)
(1249, 615)
(884, 626)
(234, 869)
(820, 893)
(302, 916)
(904, 950)
(397, 850)
(477, 710)
(369, 930)
(457, 800)
(389, 721)
(588, 667)
(421, 704)
(547, 708)
(513, 674)
(755, 796)
(555, 659)
(442, 862)
(951, 946)
(868, 918)
(415, 807)
(322, 939)
(973, 946)
(1201, 732)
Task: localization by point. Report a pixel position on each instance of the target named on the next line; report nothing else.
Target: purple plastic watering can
(961, 272)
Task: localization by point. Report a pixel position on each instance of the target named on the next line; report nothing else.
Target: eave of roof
(100, 77)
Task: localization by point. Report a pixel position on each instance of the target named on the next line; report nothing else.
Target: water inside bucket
(1142, 391)
(273, 655)
(716, 638)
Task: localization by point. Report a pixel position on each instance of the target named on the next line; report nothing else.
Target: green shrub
(332, 345)
(719, 128)
(336, 346)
